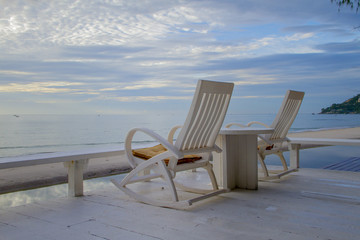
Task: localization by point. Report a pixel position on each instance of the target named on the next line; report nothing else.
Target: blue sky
(126, 57)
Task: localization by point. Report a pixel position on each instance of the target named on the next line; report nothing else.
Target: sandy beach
(351, 133)
(24, 178)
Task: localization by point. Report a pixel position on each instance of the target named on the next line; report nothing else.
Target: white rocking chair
(274, 143)
(197, 136)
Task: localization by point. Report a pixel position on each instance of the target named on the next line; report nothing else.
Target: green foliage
(351, 106)
(350, 3)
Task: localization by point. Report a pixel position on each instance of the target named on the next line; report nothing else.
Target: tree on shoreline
(350, 106)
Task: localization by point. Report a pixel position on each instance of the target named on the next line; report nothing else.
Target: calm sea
(31, 134)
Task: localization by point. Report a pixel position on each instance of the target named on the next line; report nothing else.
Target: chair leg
(210, 171)
(263, 165)
(139, 170)
(283, 161)
(154, 202)
(129, 176)
(169, 180)
(276, 173)
(163, 173)
(144, 173)
(201, 190)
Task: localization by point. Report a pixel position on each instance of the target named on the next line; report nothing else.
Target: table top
(245, 131)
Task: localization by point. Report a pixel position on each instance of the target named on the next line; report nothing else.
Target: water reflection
(52, 192)
(320, 157)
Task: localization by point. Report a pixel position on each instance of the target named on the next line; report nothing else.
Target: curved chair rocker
(197, 136)
(274, 143)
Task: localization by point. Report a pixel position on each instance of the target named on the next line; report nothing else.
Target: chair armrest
(172, 133)
(261, 136)
(128, 141)
(273, 141)
(247, 125)
(256, 122)
(235, 124)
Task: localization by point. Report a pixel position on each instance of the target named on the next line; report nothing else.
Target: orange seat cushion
(147, 153)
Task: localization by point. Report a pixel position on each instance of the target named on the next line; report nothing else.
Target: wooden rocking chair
(274, 143)
(192, 149)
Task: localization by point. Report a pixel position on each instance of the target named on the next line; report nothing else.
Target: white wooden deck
(309, 204)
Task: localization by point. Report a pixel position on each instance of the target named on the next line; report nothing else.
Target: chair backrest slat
(206, 115)
(218, 101)
(287, 114)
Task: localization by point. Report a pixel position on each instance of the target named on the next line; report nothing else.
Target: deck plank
(278, 210)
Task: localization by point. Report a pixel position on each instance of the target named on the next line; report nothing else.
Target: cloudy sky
(123, 56)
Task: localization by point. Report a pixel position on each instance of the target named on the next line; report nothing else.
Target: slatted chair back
(286, 115)
(206, 116)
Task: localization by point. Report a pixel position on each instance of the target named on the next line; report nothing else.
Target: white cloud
(138, 85)
(112, 48)
(146, 98)
(91, 23)
(257, 96)
(299, 36)
(12, 72)
(40, 87)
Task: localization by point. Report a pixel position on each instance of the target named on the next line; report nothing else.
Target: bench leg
(294, 156)
(75, 177)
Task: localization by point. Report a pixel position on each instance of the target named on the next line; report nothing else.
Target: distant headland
(350, 106)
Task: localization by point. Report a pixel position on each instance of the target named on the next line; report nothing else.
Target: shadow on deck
(351, 164)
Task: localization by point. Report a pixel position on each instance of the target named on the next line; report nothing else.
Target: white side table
(236, 166)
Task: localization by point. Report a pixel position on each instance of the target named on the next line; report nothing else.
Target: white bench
(75, 162)
(295, 146)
